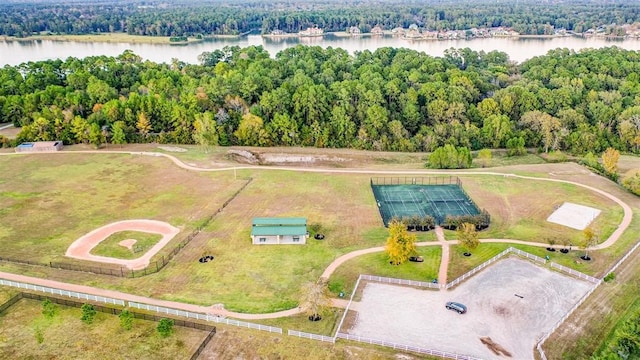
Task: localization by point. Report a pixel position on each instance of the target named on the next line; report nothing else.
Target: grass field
(238, 343)
(48, 201)
(377, 264)
(244, 277)
(519, 208)
(110, 246)
(67, 337)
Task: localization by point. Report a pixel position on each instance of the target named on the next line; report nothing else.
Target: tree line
(184, 18)
(391, 99)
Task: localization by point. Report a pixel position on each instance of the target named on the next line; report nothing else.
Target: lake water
(518, 49)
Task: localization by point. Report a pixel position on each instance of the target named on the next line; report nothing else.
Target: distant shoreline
(116, 38)
(144, 39)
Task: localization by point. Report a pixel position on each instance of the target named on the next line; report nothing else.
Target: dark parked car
(416, 258)
(457, 307)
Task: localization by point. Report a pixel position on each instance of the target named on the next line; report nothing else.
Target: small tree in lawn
(126, 319)
(590, 237)
(400, 244)
(88, 313)
(315, 300)
(49, 309)
(468, 237)
(165, 327)
(551, 241)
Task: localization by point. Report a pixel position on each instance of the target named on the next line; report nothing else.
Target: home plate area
(510, 305)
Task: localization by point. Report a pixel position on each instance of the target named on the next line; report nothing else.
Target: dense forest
(215, 17)
(391, 99)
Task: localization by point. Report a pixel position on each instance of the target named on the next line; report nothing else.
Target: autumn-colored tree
(484, 157)
(610, 160)
(315, 300)
(590, 237)
(143, 125)
(468, 237)
(400, 244)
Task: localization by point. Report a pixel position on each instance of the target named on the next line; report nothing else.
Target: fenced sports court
(403, 197)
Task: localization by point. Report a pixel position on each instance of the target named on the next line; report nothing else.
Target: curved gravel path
(215, 310)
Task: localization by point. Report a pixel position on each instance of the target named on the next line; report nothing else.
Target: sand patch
(574, 216)
(128, 243)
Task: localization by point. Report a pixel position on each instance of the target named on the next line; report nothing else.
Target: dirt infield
(513, 302)
(81, 248)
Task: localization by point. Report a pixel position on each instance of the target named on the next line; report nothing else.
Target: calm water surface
(518, 49)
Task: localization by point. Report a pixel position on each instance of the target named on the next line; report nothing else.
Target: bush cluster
(481, 221)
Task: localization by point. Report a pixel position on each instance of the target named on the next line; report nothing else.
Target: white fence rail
(477, 268)
(614, 267)
(415, 349)
(305, 335)
(565, 317)
(544, 338)
(60, 292)
(527, 255)
(206, 317)
(346, 310)
(400, 281)
(577, 274)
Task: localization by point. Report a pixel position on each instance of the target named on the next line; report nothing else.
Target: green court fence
(438, 197)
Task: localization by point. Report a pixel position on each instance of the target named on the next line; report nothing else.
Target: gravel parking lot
(514, 302)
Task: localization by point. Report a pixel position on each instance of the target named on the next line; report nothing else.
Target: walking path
(217, 310)
(444, 262)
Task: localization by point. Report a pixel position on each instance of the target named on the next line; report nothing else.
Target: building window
(296, 239)
(263, 240)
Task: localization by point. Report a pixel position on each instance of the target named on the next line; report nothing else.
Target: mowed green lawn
(98, 189)
(67, 337)
(344, 279)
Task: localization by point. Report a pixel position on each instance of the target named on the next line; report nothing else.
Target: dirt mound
(494, 347)
(243, 156)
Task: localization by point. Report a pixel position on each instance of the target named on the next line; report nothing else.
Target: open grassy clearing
(66, 336)
(245, 277)
(48, 201)
(111, 246)
(519, 208)
(237, 343)
(377, 264)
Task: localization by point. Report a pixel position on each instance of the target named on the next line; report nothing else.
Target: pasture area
(519, 208)
(513, 302)
(48, 201)
(65, 336)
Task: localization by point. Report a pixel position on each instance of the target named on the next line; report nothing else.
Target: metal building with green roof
(279, 231)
